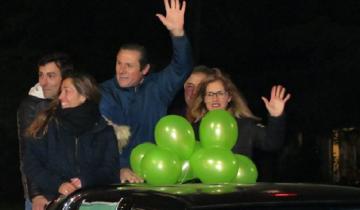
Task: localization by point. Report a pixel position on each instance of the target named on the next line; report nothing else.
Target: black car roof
(198, 196)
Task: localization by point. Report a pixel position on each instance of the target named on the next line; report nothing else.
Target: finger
(166, 3)
(282, 92)
(273, 92)
(183, 6)
(288, 96)
(172, 4)
(278, 89)
(177, 4)
(161, 18)
(266, 102)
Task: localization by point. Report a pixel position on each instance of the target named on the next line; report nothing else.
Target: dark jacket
(142, 107)
(252, 135)
(60, 155)
(26, 113)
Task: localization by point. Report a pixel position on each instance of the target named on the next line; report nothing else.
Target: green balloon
(161, 166)
(247, 172)
(186, 172)
(218, 128)
(214, 165)
(175, 133)
(137, 154)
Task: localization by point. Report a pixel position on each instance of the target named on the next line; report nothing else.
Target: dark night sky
(310, 46)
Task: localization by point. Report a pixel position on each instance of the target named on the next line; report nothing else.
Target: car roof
(202, 196)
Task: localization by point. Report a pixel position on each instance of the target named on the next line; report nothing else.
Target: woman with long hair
(70, 144)
(217, 91)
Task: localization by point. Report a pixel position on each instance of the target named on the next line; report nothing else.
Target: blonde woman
(217, 91)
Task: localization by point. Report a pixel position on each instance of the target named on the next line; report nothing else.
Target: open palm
(278, 99)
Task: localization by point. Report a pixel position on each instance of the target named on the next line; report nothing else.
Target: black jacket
(26, 113)
(60, 156)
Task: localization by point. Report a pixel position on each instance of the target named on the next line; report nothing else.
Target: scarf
(80, 119)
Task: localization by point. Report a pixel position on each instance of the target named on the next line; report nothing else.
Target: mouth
(215, 105)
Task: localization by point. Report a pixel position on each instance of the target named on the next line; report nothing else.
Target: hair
(237, 106)
(84, 84)
(139, 48)
(61, 60)
(200, 69)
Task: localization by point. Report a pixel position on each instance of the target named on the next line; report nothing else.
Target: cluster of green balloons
(177, 157)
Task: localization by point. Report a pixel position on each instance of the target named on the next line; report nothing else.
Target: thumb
(266, 102)
(161, 18)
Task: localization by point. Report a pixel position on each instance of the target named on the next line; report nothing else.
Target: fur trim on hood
(122, 133)
(37, 91)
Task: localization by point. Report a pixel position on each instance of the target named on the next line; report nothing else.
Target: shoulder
(246, 121)
(108, 84)
(102, 126)
(32, 104)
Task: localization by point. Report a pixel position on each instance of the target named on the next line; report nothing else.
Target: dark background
(309, 46)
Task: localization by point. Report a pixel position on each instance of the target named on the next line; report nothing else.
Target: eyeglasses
(219, 94)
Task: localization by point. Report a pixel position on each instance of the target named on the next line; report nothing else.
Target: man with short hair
(138, 99)
(51, 68)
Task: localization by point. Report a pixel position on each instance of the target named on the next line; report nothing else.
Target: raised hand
(174, 19)
(276, 105)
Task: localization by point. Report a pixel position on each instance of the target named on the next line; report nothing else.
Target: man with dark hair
(137, 99)
(51, 68)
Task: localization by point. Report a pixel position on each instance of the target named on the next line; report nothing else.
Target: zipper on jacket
(76, 155)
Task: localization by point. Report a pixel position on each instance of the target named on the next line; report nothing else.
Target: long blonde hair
(237, 106)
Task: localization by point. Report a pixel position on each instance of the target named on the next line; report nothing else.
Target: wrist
(177, 33)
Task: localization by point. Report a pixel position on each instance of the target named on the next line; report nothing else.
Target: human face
(216, 97)
(128, 70)
(50, 79)
(191, 86)
(69, 96)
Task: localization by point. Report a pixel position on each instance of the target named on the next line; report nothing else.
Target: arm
(108, 168)
(25, 115)
(36, 170)
(173, 76)
(273, 137)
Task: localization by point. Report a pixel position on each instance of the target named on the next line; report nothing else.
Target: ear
(145, 70)
(82, 98)
(229, 99)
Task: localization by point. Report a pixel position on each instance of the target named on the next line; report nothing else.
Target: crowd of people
(74, 133)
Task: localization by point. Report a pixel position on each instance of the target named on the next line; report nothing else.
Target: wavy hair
(237, 106)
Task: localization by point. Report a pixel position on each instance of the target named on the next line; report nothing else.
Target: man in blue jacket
(138, 100)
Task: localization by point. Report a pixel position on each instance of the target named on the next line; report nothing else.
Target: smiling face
(69, 96)
(50, 79)
(128, 68)
(216, 97)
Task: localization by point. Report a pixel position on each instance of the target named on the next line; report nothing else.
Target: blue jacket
(58, 157)
(142, 107)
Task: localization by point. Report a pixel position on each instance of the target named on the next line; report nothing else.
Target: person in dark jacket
(217, 91)
(51, 67)
(71, 145)
(137, 99)
(183, 103)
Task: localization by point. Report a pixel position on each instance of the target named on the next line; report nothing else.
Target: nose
(43, 81)
(121, 68)
(61, 96)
